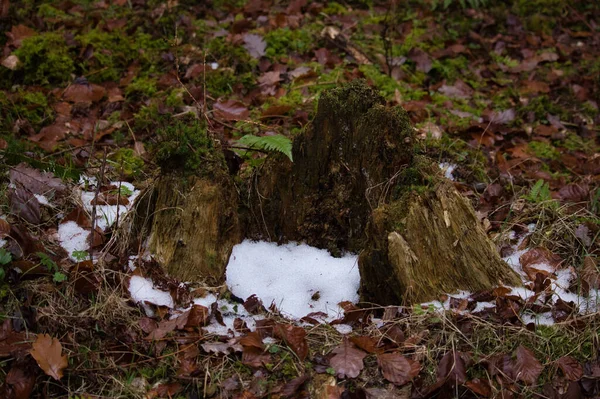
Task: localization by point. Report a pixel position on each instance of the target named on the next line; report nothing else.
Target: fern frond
(276, 143)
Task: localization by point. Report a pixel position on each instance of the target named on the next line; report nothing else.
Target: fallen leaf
(47, 351)
(590, 273)
(570, 367)
(11, 62)
(347, 360)
(366, 343)
(255, 45)
(252, 339)
(294, 337)
(574, 193)
(84, 92)
(254, 357)
(480, 387)
(459, 90)
(528, 368)
(4, 228)
(21, 380)
(17, 34)
(539, 256)
(223, 348)
(453, 367)
(421, 59)
(231, 110)
(290, 388)
(34, 180)
(398, 369)
(25, 205)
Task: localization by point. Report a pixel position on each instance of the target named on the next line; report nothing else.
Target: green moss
(115, 51)
(334, 8)
(574, 142)
(220, 83)
(283, 41)
(184, 144)
(127, 162)
(541, 106)
(543, 150)
(450, 68)
(47, 11)
(142, 85)
(45, 59)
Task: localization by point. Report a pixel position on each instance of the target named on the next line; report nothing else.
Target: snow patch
(448, 169)
(73, 238)
(142, 290)
(297, 278)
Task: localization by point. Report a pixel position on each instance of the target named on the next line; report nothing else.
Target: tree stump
(357, 185)
(195, 227)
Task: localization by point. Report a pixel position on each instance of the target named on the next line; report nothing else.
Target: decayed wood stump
(194, 227)
(345, 164)
(356, 185)
(427, 244)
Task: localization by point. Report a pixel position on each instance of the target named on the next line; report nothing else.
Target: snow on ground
(71, 236)
(297, 278)
(142, 290)
(448, 168)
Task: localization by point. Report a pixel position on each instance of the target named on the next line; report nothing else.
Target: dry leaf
(527, 366)
(294, 337)
(347, 361)
(47, 351)
(398, 369)
(570, 367)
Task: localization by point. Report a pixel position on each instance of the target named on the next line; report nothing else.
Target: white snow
(142, 290)
(448, 168)
(297, 278)
(73, 238)
(42, 199)
(106, 215)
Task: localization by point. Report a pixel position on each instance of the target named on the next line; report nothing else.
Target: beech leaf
(47, 351)
(347, 361)
(571, 368)
(294, 337)
(528, 367)
(398, 369)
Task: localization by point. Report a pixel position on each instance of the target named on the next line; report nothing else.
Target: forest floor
(504, 93)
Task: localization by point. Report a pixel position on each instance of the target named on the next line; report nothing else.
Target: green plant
(80, 256)
(45, 59)
(276, 143)
(45, 260)
(540, 192)
(445, 4)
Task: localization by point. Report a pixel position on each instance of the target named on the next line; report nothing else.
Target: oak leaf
(47, 351)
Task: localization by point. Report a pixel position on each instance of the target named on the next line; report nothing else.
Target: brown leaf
(84, 93)
(36, 181)
(198, 316)
(253, 304)
(21, 379)
(252, 339)
(255, 45)
(49, 136)
(4, 228)
(480, 387)
(12, 342)
(537, 256)
(527, 366)
(294, 337)
(590, 273)
(453, 367)
(570, 367)
(254, 357)
(398, 369)
(17, 34)
(459, 90)
(223, 348)
(269, 81)
(11, 62)
(347, 360)
(47, 351)
(231, 110)
(25, 205)
(290, 388)
(421, 58)
(574, 193)
(534, 87)
(366, 343)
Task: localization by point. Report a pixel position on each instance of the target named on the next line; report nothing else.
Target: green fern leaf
(276, 143)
